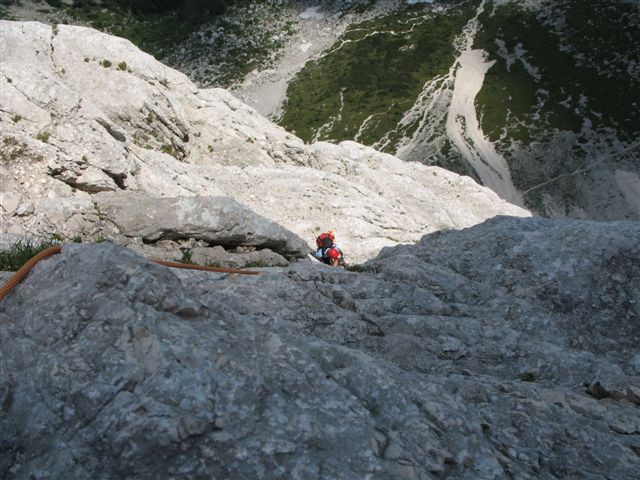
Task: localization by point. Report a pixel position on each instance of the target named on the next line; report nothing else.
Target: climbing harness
(26, 268)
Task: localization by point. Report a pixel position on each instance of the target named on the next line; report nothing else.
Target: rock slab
(215, 220)
(506, 350)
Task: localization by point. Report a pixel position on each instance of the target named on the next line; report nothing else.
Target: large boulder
(215, 220)
(507, 350)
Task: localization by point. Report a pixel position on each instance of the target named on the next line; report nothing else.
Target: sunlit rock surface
(85, 113)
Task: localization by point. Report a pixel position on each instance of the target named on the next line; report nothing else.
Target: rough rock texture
(507, 350)
(200, 253)
(214, 220)
(203, 230)
(84, 113)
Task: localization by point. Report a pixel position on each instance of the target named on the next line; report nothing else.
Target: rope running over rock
(26, 268)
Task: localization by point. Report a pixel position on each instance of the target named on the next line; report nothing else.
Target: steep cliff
(509, 349)
(84, 113)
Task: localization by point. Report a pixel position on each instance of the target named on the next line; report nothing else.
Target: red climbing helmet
(325, 240)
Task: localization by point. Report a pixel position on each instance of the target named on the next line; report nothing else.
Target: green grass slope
(373, 73)
(562, 94)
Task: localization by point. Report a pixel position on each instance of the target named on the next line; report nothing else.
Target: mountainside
(535, 99)
(87, 118)
(507, 350)
(498, 346)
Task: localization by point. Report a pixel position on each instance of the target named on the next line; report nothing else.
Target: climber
(328, 251)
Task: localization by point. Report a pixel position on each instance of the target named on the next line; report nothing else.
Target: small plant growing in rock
(106, 63)
(186, 257)
(122, 66)
(358, 268)
(54, 29)
(43, 137)
(168, 149)
(16, 118)
(86, 59)
(255, 264)
(14, 149)
(210, 148)
(21, 252)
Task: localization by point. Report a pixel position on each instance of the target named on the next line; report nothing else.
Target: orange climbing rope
(26, 268)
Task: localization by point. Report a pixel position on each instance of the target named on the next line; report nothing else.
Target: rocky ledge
(507, 350)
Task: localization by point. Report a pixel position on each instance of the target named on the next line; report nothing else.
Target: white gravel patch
(464, 130)
(312, 13)
(463, 126)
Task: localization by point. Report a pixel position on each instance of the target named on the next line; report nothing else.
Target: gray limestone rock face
(214, 220)
(506, 350)
(216, 256)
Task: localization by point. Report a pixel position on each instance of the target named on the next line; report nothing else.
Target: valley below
(536, 100)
